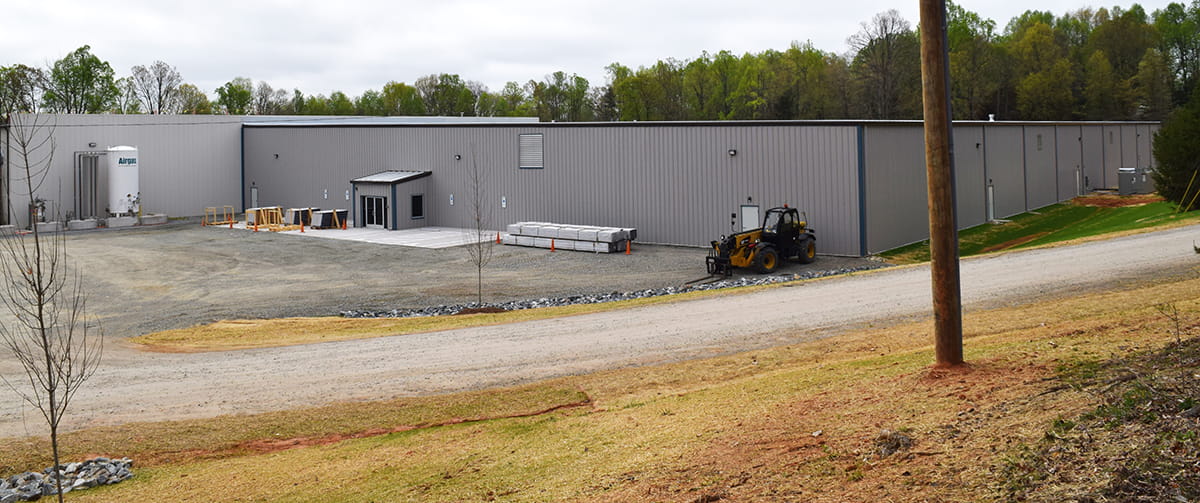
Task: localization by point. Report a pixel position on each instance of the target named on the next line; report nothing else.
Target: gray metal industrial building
(862, 183)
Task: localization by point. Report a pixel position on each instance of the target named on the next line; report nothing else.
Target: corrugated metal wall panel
(1070, 162)
(677, 185)
(896, 203)
(1005, 169)
(1144, 142)
(1129, 147)
(186, 163)
(1041, 176)
(1112, 155)
(969, 176)
(1092, 149)
(1153, 132)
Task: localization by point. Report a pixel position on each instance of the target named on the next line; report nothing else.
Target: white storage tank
(123, 191)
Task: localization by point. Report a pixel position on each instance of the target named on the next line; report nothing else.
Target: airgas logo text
(127, 160)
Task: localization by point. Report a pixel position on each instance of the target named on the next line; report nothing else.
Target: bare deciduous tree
(158, 87)
(49, 331)
(478, 246)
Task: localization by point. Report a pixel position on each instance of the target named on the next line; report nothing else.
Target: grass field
(805, 422)
(1052, 224)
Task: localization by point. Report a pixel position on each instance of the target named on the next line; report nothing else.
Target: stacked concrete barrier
(569, 237)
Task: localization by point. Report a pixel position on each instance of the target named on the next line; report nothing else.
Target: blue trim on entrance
(242, 148)
(394, 225)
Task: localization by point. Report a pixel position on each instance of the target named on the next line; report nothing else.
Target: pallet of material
(569, 237)
(258, 215)
(296, 216)
(329, 219)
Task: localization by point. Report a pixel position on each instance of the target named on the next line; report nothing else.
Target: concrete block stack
(569, 237)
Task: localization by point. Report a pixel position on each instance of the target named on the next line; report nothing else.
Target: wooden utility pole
(939, 170)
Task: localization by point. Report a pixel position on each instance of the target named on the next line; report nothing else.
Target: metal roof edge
(415, 175)
(637, 124)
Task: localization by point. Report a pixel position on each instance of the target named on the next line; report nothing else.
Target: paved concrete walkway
(424, 237)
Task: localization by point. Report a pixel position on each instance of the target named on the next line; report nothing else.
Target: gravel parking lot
(181, 274)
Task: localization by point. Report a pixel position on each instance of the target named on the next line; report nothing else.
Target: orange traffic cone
(627, 246)
(497, 238)
(551, 245)
(343, 225)
(302, 226)
(256, 225)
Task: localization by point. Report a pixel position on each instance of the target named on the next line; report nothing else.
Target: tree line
(1089, 64)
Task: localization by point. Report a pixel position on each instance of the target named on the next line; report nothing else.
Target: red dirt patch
(269, 445)
(1014, 243)
(1115, 201)
(823, 448)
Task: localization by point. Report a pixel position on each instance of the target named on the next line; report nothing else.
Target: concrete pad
(49, 226)
(79, 225)
(154, 219)
(424, 237)
(115, 222)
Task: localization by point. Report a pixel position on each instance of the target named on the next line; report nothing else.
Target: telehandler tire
(809, 253)
(766, 260)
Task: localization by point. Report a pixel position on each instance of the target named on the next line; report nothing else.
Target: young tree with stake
(479, 247)
(48, 332)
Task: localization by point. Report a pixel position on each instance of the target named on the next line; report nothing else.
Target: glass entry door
(374, 211)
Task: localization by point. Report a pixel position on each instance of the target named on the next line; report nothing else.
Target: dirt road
(134, 386)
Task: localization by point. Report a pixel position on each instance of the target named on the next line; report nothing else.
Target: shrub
(1177, 149)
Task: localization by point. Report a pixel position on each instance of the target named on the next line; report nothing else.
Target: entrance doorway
(374, 211)
(86, 182)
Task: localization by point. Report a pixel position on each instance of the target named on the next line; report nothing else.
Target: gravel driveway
(209, 274)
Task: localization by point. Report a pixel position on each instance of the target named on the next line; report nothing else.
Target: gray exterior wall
(1112, 155)
(186, 162)
(674, 182)
(1092, 150)
(1069, 157)
(969, 176)
(1041, 173)
(896, 186)
(862, 184)
(1005, 152)
(1003, 156)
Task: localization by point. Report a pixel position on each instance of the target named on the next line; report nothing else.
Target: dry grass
(792, 423)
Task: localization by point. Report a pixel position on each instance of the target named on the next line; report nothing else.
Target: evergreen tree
(1178, 154)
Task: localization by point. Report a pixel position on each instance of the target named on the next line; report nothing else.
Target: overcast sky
(355, 45)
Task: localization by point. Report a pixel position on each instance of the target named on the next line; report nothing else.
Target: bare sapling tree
(49, 332)
(478, 246)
